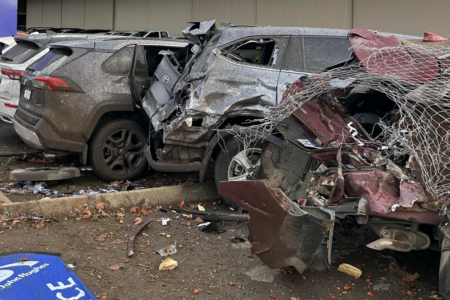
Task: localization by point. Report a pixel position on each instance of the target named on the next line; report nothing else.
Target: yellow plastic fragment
(350, 270)
(168, 264)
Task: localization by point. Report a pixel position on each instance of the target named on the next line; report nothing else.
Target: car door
(139, 76)
(247, 71)
(307, 55)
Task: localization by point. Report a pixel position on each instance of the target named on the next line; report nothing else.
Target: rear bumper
(7, 118)
(44, 137)
(28, 136)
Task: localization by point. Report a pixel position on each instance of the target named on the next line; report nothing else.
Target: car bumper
(28, 136)
(41, 135)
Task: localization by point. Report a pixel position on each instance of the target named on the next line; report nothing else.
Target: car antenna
(9, 29)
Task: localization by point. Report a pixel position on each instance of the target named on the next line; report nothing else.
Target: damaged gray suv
(83, 98)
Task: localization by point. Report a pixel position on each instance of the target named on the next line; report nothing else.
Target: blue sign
(34, 276)
(8, 17)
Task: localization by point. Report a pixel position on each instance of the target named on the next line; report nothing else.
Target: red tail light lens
(12, 74)
(53, 83)
(11, 106)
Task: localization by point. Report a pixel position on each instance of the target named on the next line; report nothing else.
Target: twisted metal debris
(415, 135)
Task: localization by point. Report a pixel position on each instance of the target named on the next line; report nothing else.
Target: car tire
(116, 150)
(222, 164)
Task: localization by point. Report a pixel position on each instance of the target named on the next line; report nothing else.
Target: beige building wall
(403, 16)
(98, 14)
(51, 13)
(233, 11)
(131, 14)
(170, 15)
(34, 13)
(305, 13)
(72, 13)
(400, 16)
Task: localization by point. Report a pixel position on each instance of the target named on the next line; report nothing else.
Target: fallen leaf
(127, 260)
(100, 205)
(346, 287)
(116, 267)
(39, 224)
(137, 221)
(120, 215)
(86, 215)
(187, 216)
(409, 277)
(195, 292)
(117, 242)
(3, 220)
(121, 221)
(15, 222)
(411, 293)
(272, 296)
(100, 239)
(146, 212)
(369, 293)
(162, 234)
(231, 283)
(199, 220)
(135, 210)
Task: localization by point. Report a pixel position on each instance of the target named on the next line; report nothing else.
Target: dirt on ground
(210, 266)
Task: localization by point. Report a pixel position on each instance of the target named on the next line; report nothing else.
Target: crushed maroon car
(367, 139)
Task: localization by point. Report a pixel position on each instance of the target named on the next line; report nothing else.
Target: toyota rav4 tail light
(12, 74)
(53, 84)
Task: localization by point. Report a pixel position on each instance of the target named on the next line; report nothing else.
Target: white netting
(415, 78)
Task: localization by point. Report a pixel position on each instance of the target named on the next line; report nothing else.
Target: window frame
(287, 58)
(103, 68)
(278, 42)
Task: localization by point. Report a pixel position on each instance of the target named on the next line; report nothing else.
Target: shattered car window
(254, 52)
(322, 53)
(120, 62)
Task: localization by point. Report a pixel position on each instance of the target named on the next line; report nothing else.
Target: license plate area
(27, 94)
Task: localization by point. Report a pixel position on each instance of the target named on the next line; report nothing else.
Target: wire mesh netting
(414, 76)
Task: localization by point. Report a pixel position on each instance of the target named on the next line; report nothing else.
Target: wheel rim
(245, 165)
(123, 151)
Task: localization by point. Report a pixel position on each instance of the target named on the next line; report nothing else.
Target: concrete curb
(163, 196)
(3, 198)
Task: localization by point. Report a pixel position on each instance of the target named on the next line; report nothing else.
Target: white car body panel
(10, 89)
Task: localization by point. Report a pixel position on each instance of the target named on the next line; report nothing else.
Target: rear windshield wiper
(6, 58)
(31, 69)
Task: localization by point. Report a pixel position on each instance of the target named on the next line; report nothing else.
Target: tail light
(54, 84)
(12, 74)
(11, 106)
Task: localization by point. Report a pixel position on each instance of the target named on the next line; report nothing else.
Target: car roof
(235, 32)
(113, 45)
(42, 39)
